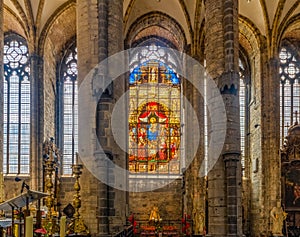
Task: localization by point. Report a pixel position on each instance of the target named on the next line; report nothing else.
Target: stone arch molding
(159, 24)
(249, 36)
(290, 31)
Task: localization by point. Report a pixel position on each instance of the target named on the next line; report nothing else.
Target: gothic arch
(290, 30)
(250, 36)
(65, 20)
(157, 24)
(13, 23)
(58, 31)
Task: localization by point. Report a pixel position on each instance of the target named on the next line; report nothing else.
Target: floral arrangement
(148, 228)
(169, 228)
(186, 225)
(133, 223)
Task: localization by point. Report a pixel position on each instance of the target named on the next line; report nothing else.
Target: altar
(17, 203)
(164, 231)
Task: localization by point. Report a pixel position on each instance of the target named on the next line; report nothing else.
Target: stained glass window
(242, 99)
(154, 113)
(16, 91)
(70, 109)
(289, 89)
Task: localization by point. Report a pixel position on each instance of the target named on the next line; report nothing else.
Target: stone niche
(168, 199)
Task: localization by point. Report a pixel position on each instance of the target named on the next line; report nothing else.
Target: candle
(1, 187)
(29, 226)
(62, 228)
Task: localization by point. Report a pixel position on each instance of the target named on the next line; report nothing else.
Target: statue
(154, 215)
(278, 216)
(198, 217)
(153, 74)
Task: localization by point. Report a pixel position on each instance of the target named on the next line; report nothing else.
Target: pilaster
(36, 142)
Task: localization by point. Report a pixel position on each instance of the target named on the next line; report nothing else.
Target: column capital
(231, 156)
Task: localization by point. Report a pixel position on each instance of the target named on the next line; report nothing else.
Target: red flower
(133, 223)
(186, 224)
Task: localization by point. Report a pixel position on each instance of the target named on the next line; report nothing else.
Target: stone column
(103, 115)
(112, 202)
(117, 199)
(271, 163)
(222, 65)
(35, 141)
(87, 49)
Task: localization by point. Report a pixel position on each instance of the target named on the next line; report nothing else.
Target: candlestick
(77, 225)
(62, 228)
(29, 226)
(1, 187)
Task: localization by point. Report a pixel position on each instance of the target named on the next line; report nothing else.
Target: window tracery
(69, 128)
(154, 112)
(16, 126)
(289, 73)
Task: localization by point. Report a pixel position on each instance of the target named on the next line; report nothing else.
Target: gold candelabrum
(77, 225)
(50, 164)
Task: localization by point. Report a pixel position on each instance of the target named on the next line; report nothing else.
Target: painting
(292, 189)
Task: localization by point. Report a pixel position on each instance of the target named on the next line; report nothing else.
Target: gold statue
(198, 217)
(278, 216)
(154, 215)
(153, 74)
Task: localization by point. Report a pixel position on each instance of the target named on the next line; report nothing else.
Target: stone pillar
(224, 196)
(112, 202)
(271, 165)
(118, 201)
(103, 115)
(35, 152)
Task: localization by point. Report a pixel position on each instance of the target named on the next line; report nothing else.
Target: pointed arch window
(68, 109)
(16, 92)
(289, 72)
(244, 99)
(154, 112)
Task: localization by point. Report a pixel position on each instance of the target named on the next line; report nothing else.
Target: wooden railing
(127, 232)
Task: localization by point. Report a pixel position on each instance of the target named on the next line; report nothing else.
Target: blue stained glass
(164, 71)
(154, 113)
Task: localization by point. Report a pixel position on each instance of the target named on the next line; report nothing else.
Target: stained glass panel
(70, 110)
(16, 142)
(289, 72)
(154, 114)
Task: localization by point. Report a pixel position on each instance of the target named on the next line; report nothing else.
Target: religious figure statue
(198, 217)
(153, 74)
(154, 215)
(278, 216)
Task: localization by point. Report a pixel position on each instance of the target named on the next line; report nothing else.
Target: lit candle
(62, 228)
(29, 226)
(1, 187)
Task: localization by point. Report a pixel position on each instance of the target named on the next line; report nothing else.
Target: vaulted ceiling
(265, 14)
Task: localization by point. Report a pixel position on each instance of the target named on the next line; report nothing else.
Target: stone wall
(168, 199)
(60, 32)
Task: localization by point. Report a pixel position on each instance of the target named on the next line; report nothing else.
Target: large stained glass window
(289, 71)
(243, 107)
(70, 109)
(16, 91)
(154, 113)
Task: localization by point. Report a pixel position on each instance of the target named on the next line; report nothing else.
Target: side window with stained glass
(289, 72)
(16, 92)
(69, 109)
